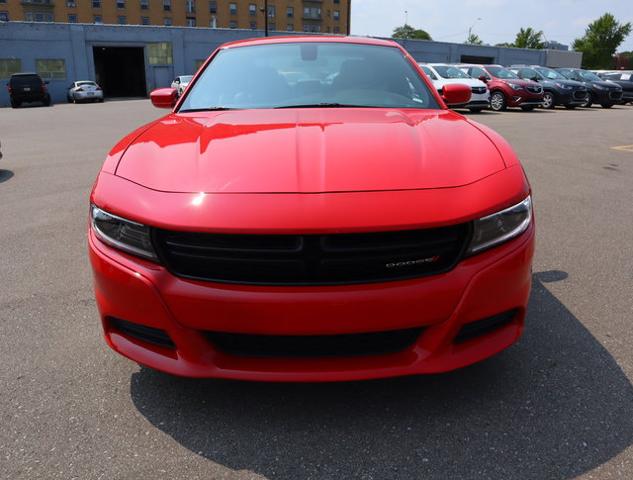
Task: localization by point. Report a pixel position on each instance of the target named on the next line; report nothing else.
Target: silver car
(85, 91)
(180, 83)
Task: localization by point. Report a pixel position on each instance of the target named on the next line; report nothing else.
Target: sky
(500, 20)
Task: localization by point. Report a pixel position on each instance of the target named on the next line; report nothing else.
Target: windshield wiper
(325, 105)
(206, 109)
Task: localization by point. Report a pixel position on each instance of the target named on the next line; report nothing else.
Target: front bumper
(520, 98)
(479, 100)
(479, 287)
(571, 97)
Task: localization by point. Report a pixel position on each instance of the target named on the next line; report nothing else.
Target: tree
(602, 37)
(529, 38)
(473, 39)
(407, 32)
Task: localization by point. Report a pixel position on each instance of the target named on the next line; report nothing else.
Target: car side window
(477, 72)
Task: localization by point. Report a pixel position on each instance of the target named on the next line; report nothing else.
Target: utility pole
(266, 18)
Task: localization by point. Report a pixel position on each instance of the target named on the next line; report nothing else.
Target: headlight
(599, 87)
(514, 86)
(564, 87)
(501, 226)
(123, 234)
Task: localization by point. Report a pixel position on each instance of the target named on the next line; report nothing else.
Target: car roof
(310, 39)
(24, 74)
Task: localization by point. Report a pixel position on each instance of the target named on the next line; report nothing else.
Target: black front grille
(374, 343)
(479, 90)
(580, 94)
(615, 94)
(484, 326)
(141, 332)
(311, 259)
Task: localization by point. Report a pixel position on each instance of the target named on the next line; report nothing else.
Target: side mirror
(483, 78)
(456, 94)
(164, 97)
(534, 78)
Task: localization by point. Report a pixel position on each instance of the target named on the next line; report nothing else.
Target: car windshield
(446, 71)
(589, 76)
(186, 78)
(308, 74)
(501, 72)
(549, 73)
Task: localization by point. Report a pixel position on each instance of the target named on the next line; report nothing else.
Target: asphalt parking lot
(558, 405)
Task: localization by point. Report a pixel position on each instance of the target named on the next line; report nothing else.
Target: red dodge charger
(310, 210)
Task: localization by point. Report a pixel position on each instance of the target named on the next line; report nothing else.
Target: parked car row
(530, 86)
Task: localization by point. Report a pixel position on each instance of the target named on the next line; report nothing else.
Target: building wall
(74, 44)
(205, 13)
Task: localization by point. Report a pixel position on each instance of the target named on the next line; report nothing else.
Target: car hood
(519, 81)
(309, 151)
(604, 84)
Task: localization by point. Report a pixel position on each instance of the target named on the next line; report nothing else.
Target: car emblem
(410, 263)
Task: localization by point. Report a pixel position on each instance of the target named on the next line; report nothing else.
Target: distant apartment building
(315, 16)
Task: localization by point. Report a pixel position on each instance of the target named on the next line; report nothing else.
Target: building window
(167, 5)
(144, 20)
(4, 17)
(233, 8)
(272, 26)
(167, 22)
(120, 3)
(96, 3)
(71, 4)
(54, 69)
(253, 25)
(191, 21)
(290, 12)
(312, 12)
(144, 4)
(213, 6)
(311, 28)
(160, 53)
(190, 6)
(9, 66)
(337, 1)
(290, 27)
(72, 18)
(97, 19)
(38, 17)
(336, 14)
(252, 9)
(272, 10)
(337, 29)
(121, 20)
(232, 24)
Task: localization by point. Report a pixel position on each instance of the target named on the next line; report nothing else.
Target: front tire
(47, 101)
(548, 101)
(498, 102)
(15, 104)
(606, 105)
(588, 101)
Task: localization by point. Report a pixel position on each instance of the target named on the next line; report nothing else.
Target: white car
(84, 91)
(442, 74)
(180, 83)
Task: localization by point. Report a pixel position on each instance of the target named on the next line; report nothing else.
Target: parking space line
(624, 148)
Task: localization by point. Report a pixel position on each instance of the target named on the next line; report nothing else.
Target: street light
(470, 30)
(265, 10)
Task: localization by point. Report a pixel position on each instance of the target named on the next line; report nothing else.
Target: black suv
(28, 87)
(625, 80)
(557, 90)
(606, 94)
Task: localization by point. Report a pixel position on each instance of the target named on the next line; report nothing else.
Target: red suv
(304, 213)
(506, 88)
